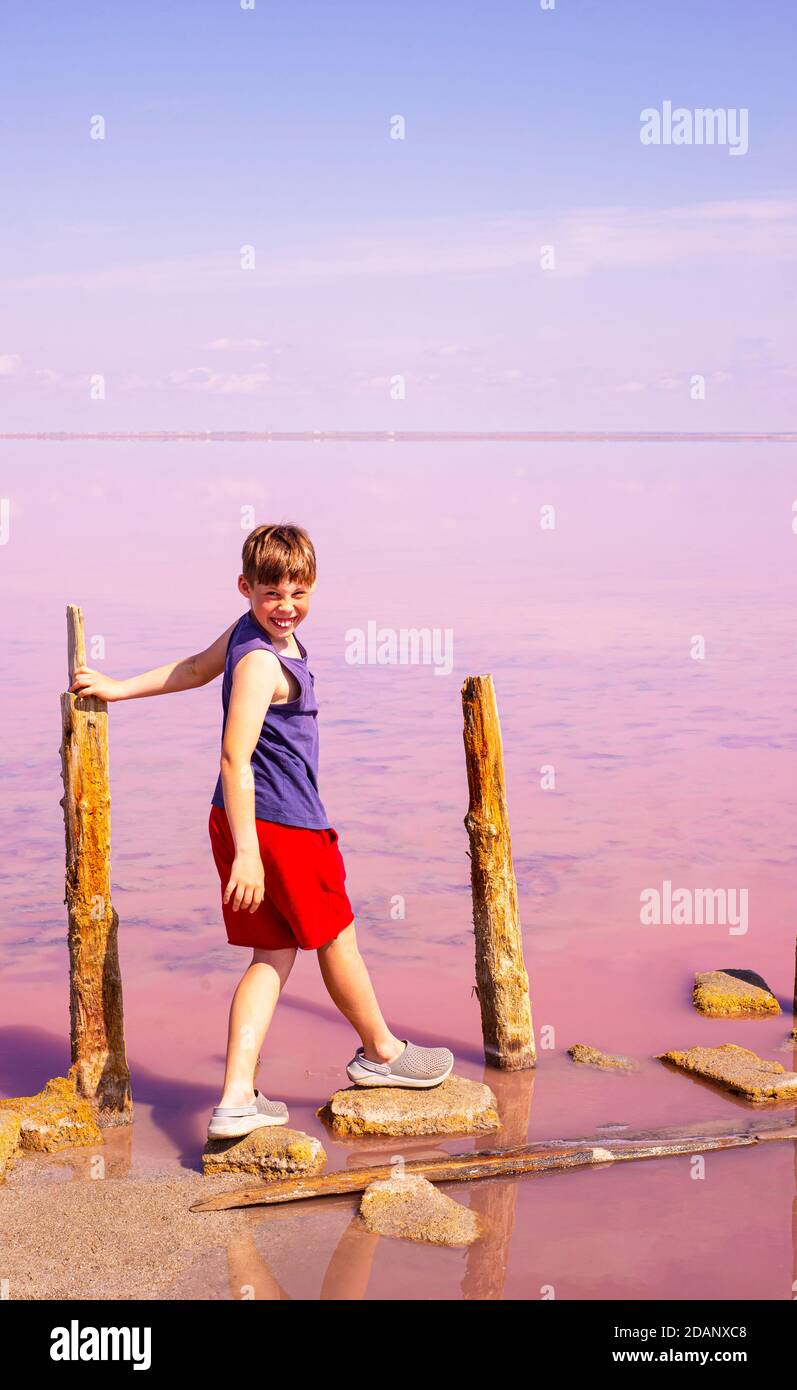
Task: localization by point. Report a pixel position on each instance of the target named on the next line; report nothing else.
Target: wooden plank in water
(488, 1163)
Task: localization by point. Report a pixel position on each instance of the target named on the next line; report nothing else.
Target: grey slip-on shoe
(416, 1067)
(235, 1121)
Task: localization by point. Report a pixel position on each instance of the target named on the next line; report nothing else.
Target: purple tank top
(285, 757)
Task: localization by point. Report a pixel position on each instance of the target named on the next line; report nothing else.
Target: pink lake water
(667, 768)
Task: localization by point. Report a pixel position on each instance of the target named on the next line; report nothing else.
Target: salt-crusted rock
(56, 1118)
(738, 1069)
(10, 1124)
(271, 1152)
(456, 1106)
(593, 1057)
(411, 1208)
(723, 994)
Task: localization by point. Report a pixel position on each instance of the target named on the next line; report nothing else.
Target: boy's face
(279, 608)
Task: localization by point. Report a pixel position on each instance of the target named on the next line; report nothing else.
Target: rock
(733, 994)
(411, 1208)
(271, 1152)
(737, 1069)
(10, 1125)
(456, 1106)
(56, 1118)
(593, 1057)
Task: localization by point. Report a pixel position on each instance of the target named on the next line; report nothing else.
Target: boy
(282, 874)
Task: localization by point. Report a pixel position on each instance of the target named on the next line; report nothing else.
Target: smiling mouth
(283, 622)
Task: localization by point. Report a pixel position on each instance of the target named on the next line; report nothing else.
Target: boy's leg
(349, 984)
(251, 1012)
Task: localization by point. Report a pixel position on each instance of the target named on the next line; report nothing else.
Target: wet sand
(118, 1238)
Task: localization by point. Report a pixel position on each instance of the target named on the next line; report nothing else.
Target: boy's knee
(343, 938)
(280, 960)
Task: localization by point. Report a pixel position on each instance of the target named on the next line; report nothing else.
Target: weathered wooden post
(99, 1064)
(502, 984)
(794, 1001)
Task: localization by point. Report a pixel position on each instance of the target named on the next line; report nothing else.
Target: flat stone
(271, 1152)
(738, 1069)
(411, 1208)
(733, 994)
(456, 1106)
(593, 1057)
(56, 1118)
(10, 1125)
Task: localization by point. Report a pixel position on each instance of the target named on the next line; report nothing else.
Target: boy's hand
(246, 885)
(87, 681)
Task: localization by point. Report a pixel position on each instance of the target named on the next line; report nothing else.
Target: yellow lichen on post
(99, 1063)
(501, 980)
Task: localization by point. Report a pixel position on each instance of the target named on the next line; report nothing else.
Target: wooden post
(794, 1002)
(99, 1064)
(502, 984)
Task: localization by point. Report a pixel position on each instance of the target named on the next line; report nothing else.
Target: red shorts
(305, 902)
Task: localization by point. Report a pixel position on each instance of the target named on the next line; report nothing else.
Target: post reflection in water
(292, 1230)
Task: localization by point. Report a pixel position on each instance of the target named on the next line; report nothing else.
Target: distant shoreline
(414, 436)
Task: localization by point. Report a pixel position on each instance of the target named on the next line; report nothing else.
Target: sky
(397, 283)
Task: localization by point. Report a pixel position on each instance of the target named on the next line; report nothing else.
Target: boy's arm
(253, 684)
(187, 674)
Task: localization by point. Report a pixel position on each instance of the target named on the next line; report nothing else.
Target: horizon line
(412, 436)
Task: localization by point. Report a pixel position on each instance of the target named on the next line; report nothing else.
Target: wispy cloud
(205, 380)
(236, 345)
(586, 241)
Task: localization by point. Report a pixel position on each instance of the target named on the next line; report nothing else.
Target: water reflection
(291, 1229)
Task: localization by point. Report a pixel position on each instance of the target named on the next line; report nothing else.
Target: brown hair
(272, 554)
